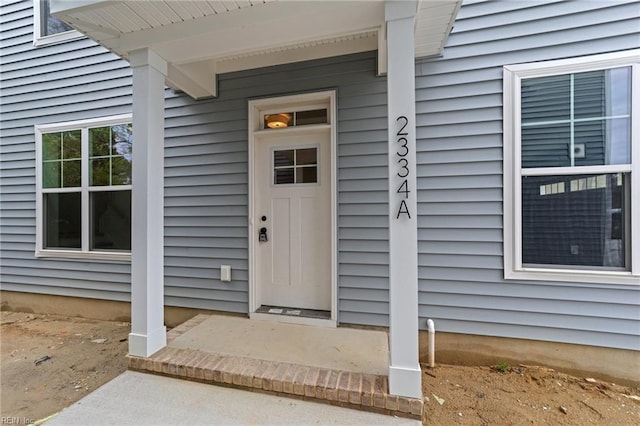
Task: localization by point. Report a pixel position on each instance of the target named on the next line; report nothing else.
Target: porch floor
(339, 366)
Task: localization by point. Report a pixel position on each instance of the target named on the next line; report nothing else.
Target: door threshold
(294, 315)
(296, 312)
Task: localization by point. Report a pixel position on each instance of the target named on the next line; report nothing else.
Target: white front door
(292, 196)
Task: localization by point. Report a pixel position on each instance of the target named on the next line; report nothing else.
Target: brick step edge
(354, 390)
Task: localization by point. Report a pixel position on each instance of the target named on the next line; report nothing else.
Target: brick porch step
(348, 389)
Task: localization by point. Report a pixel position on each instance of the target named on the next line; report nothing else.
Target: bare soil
(33, 387)
(85, 354)
(524, 395)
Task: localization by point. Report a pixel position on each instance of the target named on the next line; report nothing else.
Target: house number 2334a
(403, 171)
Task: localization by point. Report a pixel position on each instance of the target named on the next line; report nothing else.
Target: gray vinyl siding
(206, 185)
(70, 81)
(459, 132)
(206, 176)
(459, 105)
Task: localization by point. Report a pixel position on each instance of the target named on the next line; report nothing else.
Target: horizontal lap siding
(69, 81)
(206, 184)
(363, 234)
(459, 106)
(205, 203)
(205, 171)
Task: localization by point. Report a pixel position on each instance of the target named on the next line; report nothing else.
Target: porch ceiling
(202, 38)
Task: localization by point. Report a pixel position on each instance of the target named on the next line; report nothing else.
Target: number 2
(401, 132)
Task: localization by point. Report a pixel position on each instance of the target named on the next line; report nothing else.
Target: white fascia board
(264, 27)
(297, 54)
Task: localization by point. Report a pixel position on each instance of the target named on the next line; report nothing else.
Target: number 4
(404, 189)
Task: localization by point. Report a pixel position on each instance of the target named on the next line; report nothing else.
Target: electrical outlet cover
(225, 273)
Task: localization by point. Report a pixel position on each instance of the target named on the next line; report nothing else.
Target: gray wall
(64, 82)
(205, 171)
(207, 182)
(459, 105)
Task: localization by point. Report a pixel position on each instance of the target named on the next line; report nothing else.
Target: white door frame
(291, 103)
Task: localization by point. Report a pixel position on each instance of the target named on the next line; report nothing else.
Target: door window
(295, 166)
(281, 120)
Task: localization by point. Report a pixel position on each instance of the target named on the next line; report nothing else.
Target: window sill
(574, 276)
(57, 38)
(79, 255)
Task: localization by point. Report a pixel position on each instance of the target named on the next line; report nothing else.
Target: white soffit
(434, 21)
(202, 38)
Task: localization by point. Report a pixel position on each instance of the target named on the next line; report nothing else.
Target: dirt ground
(79, 361)
(524, 395)
(84, 354)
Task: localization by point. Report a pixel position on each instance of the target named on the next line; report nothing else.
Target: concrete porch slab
(343, 367)
(345, 349)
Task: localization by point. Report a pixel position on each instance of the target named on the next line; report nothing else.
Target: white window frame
(513, 75)
(40, 39)
(84, 252)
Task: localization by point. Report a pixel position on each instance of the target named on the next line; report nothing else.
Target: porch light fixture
(277, 121)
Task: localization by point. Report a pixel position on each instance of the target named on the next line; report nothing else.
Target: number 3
(404, 167)
(404, 145)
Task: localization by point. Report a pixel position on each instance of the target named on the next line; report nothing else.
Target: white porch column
(404, 369)
(148, 333)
